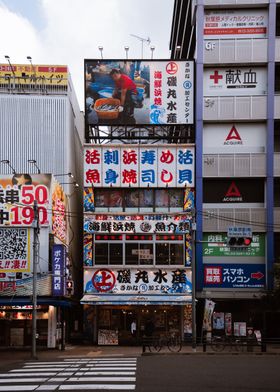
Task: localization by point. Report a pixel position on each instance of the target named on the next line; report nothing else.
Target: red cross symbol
(216, 77)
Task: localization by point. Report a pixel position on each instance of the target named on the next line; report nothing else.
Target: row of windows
(138, 250)
(135, 198)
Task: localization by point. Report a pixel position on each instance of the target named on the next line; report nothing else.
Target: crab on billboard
(144, 92)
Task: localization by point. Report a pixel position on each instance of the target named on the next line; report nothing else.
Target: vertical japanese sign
(239, 23)
(59, 220)
(58, 269)
(156, 92)
(235, 81)
(131, 166)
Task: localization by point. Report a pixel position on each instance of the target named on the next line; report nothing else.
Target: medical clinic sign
(241, 23)
(148, 166)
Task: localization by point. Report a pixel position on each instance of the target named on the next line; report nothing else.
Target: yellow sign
(25, 74)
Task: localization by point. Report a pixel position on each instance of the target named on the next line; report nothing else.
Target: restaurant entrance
(128, 324)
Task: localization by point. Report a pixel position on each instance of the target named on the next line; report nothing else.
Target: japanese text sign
(26, 74)
(58, 269)
(215, 245)
(234, 276)
(139, 166)
(59, 203)
(239, 23)
(235, 81)
(17, 196)
(137, 281)
(150, 92)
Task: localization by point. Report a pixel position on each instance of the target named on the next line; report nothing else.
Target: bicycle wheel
(155, 347)
(174, 345)
(217, 345)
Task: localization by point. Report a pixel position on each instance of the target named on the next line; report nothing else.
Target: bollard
(263, 347)
(204, 347)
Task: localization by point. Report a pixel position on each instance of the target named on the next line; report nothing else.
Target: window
(277, 77)
(138, 198)
(278, 20)
(139, 249)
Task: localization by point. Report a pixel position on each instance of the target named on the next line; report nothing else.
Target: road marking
(18, 388)
(13, 380)
(27, 374)
(95, 379)
(33, 370)
(97, 386)
(47, 387)
(97, 373)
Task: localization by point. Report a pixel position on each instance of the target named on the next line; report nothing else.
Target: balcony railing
(252, 50)
(219, 219)
(235, 108)
(234, 165)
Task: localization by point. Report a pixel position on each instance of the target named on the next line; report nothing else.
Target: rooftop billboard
(143, 92)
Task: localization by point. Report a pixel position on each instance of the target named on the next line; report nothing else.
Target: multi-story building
(41, 130)
(138, 202)
(236, 46)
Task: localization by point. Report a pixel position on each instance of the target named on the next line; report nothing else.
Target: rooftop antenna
(147, 40)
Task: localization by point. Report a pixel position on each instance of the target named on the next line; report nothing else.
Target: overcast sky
(67, 31)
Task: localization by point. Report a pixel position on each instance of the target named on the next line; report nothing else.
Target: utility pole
(193, 285)
(36, 228)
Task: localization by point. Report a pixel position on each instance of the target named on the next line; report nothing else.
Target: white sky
(67, 31)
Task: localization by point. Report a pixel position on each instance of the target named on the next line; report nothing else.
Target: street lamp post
(152, 51)
(35, 264)
(126, 48)
(101, 51)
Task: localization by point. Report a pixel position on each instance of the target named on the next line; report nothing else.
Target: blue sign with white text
(58, 268)
(242, 276)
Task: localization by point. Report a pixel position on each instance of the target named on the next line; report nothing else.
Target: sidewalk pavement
(11, 357)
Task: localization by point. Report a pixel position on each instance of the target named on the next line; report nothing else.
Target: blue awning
(124, 299)
(20, 301)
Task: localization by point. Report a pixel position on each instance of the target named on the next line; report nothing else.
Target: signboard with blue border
(241, 276)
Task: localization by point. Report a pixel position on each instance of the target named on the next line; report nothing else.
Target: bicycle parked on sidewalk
(173, 342)
(219, 343)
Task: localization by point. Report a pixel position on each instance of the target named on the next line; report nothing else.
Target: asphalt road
(157, 373)
(208, 373)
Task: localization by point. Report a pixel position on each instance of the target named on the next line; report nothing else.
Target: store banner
(226, 191)
(58, 269)
(207, 317)
(181, 225)
(235, 81)
(235, 23)
(32, 75)
(59, 210)
(215, 245)
(140, 280)
(156, 92)
(17, 195)
(218, 320)
(228, 324)
(148, 166)
(239, 276)
(232, 138)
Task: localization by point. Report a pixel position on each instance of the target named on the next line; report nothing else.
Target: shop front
(152, 302)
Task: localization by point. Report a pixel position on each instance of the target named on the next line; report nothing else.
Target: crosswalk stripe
(95, 379)
(7, 388)
(33, 379)
(27, 374)
(75, 375)
(97, 386)
(97, 373)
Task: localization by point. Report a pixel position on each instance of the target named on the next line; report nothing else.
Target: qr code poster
(15, 251)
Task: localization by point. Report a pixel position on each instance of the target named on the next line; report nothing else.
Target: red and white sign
(213, 275)
(233, 194)
(239, 23)
(149, 166)
(235, 81)
(234, 138)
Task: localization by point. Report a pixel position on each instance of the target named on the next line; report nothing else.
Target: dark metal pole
(193, 289)
(35, 263)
